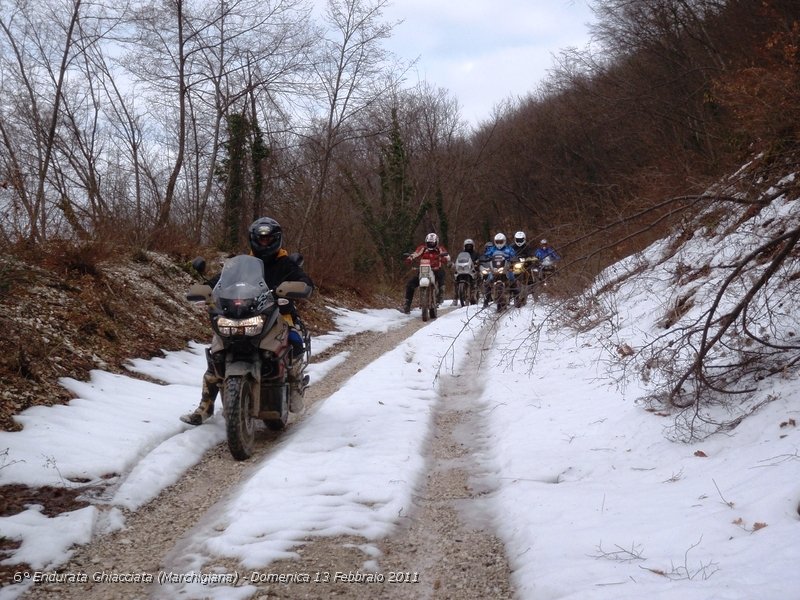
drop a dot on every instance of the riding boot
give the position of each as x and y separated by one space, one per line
297 389
407 306
211 380
297 384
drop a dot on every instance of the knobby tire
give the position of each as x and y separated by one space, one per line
239 425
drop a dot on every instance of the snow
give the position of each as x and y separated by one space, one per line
592 495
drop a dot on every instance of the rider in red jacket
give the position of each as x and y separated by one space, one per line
439 257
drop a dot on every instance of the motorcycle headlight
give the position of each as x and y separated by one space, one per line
245 327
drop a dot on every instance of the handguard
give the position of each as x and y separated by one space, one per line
294 290
199 292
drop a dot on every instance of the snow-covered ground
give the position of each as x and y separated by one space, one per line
591 495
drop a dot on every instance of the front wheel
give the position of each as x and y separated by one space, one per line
240 426
521 297
426 302
462 293
500 298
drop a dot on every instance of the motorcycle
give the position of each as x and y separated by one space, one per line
466 279
495 275
523 269
258 355
547 268
484 269
428 289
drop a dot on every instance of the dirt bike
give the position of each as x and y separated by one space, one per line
428 289
523 277
466 279
495 276
258 355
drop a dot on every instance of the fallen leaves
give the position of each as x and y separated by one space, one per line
756 526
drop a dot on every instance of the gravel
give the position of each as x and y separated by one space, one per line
444 549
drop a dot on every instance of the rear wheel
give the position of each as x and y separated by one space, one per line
274 398
239 425
274 424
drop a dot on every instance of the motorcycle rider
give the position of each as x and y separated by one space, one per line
439 257
266 242
506 250
543 252
469 248
521 246
522 249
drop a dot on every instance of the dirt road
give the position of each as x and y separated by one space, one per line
443 549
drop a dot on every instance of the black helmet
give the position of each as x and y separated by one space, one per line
266 237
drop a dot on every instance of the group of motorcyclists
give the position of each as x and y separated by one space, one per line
439 256
265 237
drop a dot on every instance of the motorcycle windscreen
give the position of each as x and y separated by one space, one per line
241 290
464 263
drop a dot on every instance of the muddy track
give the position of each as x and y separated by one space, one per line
446 552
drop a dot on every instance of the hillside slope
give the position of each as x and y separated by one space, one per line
71 314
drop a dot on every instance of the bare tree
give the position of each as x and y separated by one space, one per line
204 61
37 52
353 71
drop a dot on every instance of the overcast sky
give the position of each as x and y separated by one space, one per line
484 51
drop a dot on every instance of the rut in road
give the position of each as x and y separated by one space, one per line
451 551
444 549
147 542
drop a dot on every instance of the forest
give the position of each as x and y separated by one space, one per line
170 125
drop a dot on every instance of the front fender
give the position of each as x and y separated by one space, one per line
243 368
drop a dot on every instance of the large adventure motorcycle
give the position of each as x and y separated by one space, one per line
495 278
258 354
466 279
524 270
547 268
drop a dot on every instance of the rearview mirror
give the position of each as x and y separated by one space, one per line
199 264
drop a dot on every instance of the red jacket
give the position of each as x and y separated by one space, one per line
438 256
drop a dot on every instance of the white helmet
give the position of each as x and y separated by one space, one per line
431 240
500 240
543 243
519 238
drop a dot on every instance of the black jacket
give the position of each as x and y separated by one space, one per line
525 251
